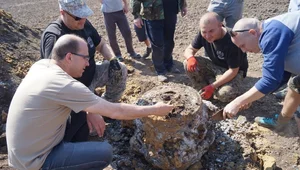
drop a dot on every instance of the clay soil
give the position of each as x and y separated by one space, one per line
244 144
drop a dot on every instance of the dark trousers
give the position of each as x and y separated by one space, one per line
161 35
77 129
118 19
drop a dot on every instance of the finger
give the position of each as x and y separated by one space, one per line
98 130
90 126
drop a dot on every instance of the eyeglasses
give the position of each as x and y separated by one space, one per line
87 57
234 33
74 17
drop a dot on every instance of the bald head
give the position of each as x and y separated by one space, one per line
65 44
210 18
247 23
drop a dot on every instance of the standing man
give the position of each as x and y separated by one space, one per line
114 12
160 18
278 39
226 67
229 10
113 75
42 103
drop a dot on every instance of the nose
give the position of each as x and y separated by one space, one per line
87 63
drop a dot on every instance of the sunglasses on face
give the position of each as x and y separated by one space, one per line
234 33
74 17
87 57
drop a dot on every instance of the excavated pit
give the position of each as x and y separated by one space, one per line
179 139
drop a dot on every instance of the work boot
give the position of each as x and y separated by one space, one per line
135 55
281 94
147 53
277 122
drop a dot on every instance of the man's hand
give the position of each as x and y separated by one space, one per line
207 91
192 64
231 110
114 67
96 122
138 22
163 109
125 9
183 11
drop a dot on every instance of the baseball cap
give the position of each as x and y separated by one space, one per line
77 8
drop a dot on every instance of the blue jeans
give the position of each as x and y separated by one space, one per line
81 155
161 35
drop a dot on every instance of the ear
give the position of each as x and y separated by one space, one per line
68 57
252 31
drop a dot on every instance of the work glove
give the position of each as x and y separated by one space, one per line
207 91
114 70
192 64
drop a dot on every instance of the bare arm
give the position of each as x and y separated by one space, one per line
105 50
250 96
124 111
189 52
226 77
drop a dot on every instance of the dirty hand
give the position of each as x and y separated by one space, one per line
207 91
231 110
96 122
192 64
138 22
163 109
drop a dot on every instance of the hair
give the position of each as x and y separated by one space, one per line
206 18
247 23
68 43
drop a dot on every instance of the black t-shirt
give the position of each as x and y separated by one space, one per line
89 33
223 52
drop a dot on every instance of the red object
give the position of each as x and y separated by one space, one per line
207 91
192 64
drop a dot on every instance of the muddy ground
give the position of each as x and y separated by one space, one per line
240 143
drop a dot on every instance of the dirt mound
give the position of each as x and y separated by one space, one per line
18 50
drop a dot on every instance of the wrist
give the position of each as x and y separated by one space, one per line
190 57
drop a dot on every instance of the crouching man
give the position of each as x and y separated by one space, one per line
42 104
226 66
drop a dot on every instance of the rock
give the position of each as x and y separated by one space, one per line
178 140
269 163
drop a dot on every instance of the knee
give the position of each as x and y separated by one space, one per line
106 151
294 84
226 93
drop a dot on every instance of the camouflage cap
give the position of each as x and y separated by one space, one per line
77 8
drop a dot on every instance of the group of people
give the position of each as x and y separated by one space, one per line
56 102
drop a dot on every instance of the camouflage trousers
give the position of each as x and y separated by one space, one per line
294 83
207 73
114 83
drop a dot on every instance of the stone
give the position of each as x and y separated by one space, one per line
179 139
269 162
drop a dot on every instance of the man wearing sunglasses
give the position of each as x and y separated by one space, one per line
278 39
42 103
110 73
223 72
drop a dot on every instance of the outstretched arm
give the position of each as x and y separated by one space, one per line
124 111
